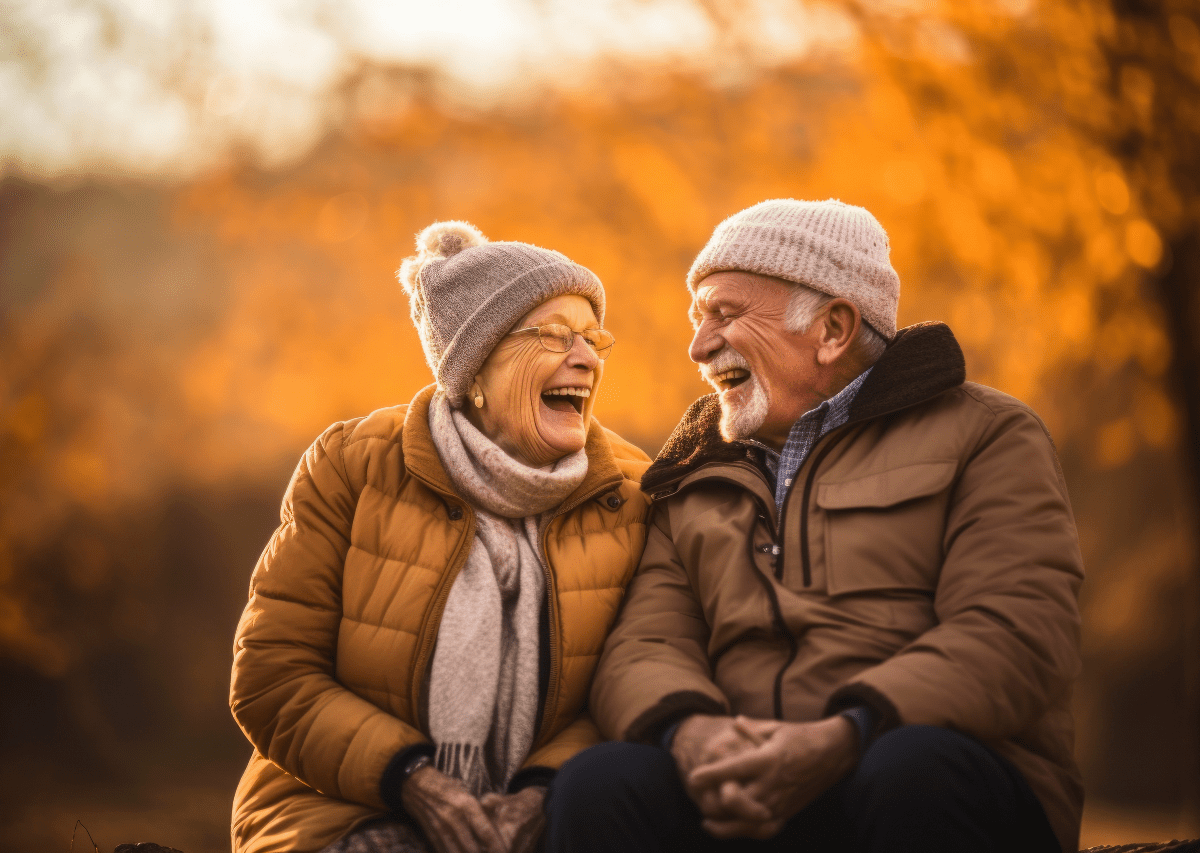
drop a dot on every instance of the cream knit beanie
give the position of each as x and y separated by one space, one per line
836 248
466 293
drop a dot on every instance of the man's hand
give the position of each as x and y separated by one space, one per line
701 740
760 789
519 817
453 820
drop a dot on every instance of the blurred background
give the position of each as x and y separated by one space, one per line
202 203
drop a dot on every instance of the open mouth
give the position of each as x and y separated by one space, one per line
566 399
731 378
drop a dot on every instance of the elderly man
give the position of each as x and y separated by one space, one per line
855 624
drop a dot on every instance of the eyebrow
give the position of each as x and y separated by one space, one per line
715 298
562 320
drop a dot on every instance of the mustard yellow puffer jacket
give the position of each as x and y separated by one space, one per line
333 647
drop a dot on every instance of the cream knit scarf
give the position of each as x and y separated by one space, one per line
483 687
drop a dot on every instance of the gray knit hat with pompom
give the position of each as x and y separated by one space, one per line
467 293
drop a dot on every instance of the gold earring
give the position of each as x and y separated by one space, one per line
479 398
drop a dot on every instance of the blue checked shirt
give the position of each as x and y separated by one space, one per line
804 434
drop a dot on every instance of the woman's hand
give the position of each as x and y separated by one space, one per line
519 818
453 820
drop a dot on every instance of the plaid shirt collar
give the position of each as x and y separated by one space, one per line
813 424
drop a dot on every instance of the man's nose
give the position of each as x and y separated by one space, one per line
705 343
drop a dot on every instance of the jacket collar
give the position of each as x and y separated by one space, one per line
921 362
422 460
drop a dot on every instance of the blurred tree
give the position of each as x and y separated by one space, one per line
1152 50
1154 83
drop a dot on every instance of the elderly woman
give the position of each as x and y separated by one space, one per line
422 628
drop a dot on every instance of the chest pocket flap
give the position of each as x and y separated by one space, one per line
884 531
888 488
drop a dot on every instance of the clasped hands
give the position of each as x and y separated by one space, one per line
455 822
749 777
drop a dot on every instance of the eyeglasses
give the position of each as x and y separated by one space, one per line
556 337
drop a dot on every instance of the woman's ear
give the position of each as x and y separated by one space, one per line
477 393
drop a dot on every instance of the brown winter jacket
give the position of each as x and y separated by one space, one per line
925 563
334 645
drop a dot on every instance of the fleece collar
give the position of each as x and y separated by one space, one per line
921 362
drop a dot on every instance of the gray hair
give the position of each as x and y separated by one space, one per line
803 308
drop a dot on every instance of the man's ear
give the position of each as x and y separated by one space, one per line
839 328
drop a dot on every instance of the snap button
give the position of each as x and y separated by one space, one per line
455 512
613 501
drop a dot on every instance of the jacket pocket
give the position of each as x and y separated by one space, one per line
884 531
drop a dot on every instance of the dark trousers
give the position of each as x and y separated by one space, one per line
917 788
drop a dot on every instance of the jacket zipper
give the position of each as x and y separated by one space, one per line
780 627
780 624
822 449
817 459
552 608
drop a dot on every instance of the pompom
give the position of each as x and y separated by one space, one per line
447 239
439 240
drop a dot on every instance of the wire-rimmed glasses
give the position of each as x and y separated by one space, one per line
556 337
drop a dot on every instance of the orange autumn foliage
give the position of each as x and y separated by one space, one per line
981 134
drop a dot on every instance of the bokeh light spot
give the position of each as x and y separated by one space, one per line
1076 316
1104 255
1143 244
1152 348
1155 417
1112 192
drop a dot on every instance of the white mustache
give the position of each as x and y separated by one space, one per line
726 359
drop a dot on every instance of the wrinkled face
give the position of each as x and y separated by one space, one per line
763 372
537 403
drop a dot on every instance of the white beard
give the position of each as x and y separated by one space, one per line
744 419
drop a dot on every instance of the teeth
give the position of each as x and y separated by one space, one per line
568 392
736 373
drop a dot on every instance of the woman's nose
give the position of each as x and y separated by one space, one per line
582 355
